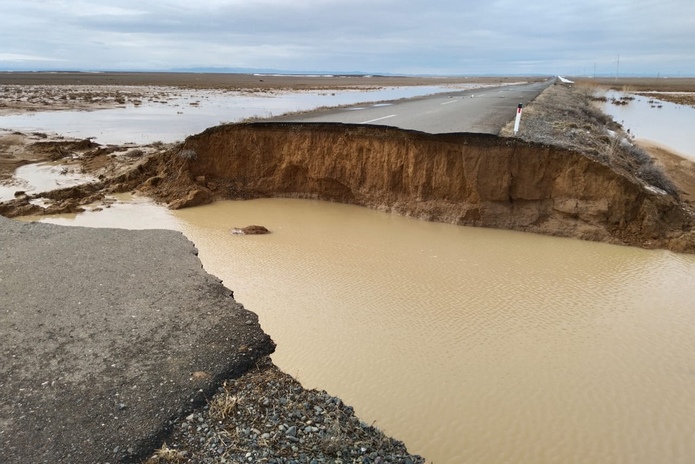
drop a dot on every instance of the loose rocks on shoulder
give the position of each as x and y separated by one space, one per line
267 416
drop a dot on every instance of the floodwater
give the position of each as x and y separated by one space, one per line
670 124
42 177
471 345
190 112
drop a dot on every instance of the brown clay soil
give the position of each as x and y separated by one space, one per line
642 84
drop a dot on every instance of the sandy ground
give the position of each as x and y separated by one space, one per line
680 170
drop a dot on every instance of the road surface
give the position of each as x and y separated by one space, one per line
105 337
482 110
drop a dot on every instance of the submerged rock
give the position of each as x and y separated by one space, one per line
250 230
467 179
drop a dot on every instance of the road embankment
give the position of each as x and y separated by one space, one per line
466 179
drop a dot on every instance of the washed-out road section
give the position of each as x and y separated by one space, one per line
106 336
483 111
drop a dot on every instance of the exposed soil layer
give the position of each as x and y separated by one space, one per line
80 156
266 416
467 179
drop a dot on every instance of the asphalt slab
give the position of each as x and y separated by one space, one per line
106 337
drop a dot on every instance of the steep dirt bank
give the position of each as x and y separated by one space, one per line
467 179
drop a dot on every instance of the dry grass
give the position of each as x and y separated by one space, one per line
334 440
568 117
166 455
677 98
222 406
642 84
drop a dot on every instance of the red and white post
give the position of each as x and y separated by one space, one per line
519 109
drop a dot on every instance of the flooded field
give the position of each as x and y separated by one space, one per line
471 345
666 123
186 112
42 177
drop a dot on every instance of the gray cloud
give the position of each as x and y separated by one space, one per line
408 36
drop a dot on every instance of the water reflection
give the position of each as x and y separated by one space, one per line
666 123
471 345
41 177
119 211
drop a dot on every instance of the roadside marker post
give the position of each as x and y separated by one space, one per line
518 118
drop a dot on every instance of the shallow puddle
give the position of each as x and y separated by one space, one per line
42 177
666 123
471 345
120 211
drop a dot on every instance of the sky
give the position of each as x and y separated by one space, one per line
439 37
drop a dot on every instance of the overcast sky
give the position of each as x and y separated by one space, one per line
458 37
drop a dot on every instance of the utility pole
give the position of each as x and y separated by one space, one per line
594 70
617 68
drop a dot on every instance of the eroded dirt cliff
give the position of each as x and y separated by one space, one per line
467 179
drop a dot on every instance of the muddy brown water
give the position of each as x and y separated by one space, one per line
471 345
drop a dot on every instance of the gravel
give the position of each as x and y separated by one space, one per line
266 416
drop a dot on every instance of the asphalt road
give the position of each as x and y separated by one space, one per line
480 111
105 337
